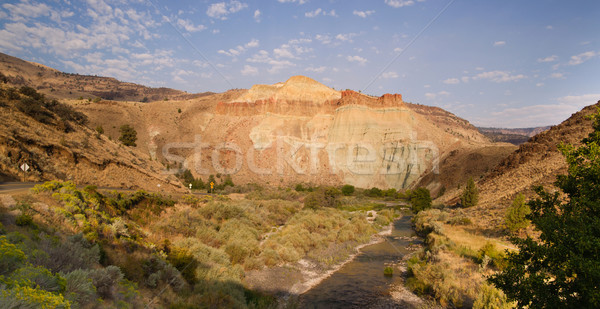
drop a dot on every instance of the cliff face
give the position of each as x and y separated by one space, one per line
307 132
286 133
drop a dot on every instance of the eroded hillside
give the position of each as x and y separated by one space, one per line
55 142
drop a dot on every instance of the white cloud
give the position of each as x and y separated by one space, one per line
346 37
363 14
548 59
358 59
583 57
399 3
390 74
189 26
249 70
257 15
556 75
220 10
499 43
499 76
292 1
238 50
451 81
283 52
323 38
465 79
432 95
24 10
539 84
320 11
549 27
320 69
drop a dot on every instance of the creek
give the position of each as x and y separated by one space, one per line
361 283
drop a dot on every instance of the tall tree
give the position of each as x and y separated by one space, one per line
470 195
561 269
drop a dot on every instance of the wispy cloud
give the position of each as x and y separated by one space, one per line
249 70
220 10
238 50
583 57
358 59
363 14
399 3
499 76
320 12
548 59
189 26
451 81
257 14
390 74
499 43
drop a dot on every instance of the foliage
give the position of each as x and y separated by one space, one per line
374 192
515 218
11 257
388 271
29 297
562 268
347 190
470 194
491 298
128 135
420 199
100 129
185 262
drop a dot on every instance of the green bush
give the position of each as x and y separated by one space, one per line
470 195
24 219
128 135
420 199
106 280
491 298
388 271
79 289
185 262
11 257
347 190
515 218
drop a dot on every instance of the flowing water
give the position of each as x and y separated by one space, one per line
361 283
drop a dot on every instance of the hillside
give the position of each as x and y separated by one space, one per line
514 136
59 85
536 162
297 131
55 142
301 131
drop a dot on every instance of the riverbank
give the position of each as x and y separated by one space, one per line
297 278
313 275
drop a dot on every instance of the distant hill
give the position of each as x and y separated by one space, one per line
513 136
56 84
536 162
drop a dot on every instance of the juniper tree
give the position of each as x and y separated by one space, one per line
561 269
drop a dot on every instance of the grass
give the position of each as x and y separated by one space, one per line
198 249
455 262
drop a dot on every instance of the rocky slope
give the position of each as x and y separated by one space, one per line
297 131
54 141
536 162
56 84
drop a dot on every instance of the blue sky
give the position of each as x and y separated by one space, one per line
494 63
